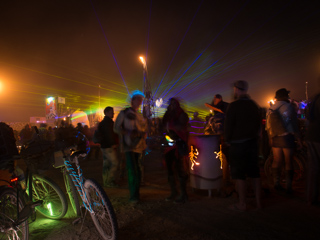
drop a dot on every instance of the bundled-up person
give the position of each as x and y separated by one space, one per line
176 122
313 143
283 130
242 131
132 128
108 145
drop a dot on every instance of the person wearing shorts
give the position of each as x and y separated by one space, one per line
241 133
283 145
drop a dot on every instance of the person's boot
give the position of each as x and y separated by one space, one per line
276 179
173 189
183 194
289 179
142 183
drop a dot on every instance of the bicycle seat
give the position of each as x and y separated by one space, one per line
78 154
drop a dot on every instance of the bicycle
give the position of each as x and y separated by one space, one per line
39 155
298 166
94 198
14 211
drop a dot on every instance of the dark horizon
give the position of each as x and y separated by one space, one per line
194 50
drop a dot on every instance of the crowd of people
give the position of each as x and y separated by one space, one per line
239 125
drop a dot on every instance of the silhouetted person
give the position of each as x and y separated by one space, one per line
176 122
108 144
313 143
242 130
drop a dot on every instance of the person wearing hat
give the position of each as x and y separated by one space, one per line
215 123
283 143
132 130
241 133
218 103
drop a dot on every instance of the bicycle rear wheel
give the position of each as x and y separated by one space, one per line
298 167
54 200
103 215
8 212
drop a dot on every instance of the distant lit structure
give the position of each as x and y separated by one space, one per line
51 108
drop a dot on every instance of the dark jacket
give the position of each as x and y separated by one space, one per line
313 116
109 138
243 120
223 106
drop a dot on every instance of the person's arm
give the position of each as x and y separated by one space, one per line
228 124
118 124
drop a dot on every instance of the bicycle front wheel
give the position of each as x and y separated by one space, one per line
8 214
103 215
54 200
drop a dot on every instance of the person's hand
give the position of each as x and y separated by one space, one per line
135 134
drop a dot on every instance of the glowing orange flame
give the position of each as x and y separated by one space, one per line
193 155
220 156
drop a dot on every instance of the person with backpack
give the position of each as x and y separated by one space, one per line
283 130
108 144
132 129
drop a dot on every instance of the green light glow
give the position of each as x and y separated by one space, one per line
49 206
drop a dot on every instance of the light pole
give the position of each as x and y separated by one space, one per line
146 90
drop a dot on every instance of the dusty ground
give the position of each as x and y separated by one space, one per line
202 217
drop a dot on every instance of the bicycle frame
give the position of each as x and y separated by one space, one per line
77 178
23 214
14 184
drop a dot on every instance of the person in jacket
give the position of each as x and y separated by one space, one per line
313 143
132 129
108 147
241 133
176 122
283 144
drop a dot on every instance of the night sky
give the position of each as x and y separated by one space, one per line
194 49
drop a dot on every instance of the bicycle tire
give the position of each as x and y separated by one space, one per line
8 209
55 203
103 216
268 165
298 166
73 194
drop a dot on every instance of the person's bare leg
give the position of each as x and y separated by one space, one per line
257 188
241 187
288 157
277 157
276 167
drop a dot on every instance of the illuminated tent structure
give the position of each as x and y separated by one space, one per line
79 117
